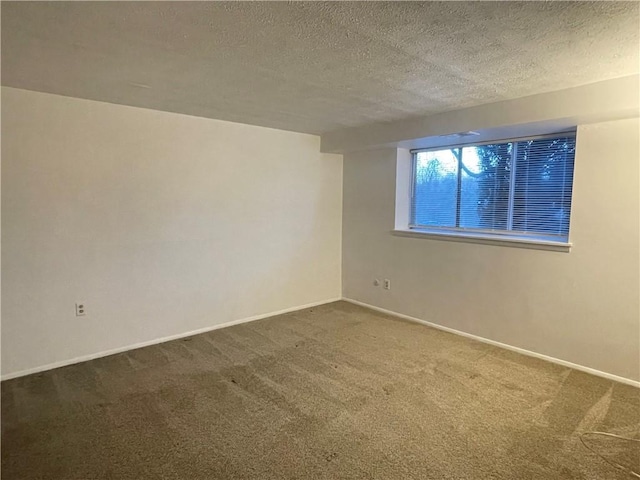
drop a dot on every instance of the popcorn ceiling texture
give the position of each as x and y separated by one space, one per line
314 66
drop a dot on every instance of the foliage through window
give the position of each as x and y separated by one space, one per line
518 188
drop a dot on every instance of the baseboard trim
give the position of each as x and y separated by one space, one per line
529 353
156 341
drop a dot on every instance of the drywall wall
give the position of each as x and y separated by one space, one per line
580 307
160 223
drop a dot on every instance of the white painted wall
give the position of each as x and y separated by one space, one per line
581 307
161 223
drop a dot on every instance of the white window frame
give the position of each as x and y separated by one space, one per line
405 182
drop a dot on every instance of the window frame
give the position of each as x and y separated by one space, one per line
488 236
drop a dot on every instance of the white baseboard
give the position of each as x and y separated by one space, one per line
126 348
529 353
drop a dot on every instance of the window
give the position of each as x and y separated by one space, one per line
514 189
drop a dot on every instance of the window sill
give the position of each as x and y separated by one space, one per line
486 239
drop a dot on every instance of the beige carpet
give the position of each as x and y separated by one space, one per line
333 392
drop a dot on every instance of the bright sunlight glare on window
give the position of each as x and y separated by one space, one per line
516 188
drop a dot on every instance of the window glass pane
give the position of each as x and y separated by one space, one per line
544 177
521 187
435 189
486 175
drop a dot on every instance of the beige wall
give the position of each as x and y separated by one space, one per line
164 224
581 307
160 223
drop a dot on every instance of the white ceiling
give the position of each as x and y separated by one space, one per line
314 66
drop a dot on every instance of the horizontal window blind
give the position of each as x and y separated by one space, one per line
519 187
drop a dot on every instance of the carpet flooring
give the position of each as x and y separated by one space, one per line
332 392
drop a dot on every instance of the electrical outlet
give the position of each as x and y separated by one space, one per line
376 282
387 284
80 310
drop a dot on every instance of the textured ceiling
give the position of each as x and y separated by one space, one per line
314 66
